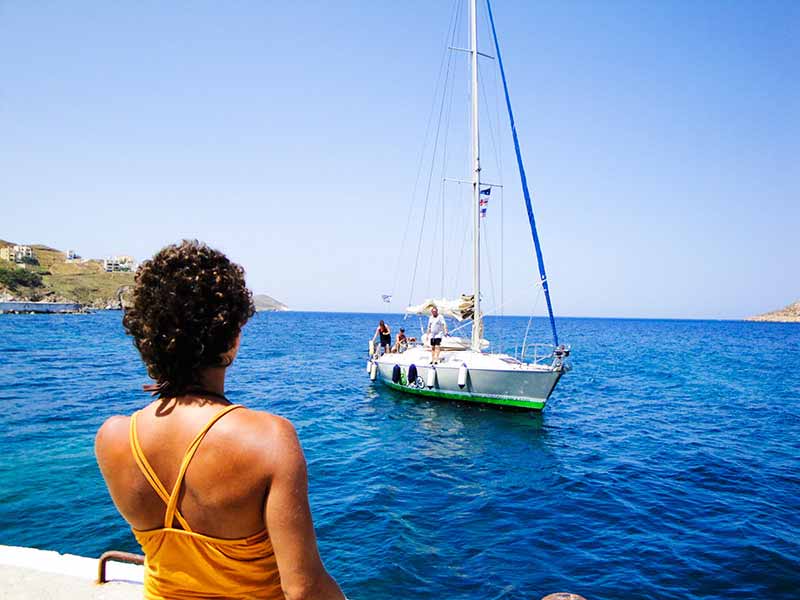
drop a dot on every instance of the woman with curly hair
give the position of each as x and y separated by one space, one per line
216 494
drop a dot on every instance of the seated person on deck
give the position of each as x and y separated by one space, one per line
401 344
216 494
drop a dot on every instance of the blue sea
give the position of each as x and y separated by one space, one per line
666 464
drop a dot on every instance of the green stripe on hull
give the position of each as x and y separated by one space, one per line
527 404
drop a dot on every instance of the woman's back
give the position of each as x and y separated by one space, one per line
225 483
216 494
192 485
180 486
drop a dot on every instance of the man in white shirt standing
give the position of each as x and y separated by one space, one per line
437 327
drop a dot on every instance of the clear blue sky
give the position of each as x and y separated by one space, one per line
661 139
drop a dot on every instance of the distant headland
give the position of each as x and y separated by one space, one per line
268 303
790 314
39 274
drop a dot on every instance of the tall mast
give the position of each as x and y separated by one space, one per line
476 179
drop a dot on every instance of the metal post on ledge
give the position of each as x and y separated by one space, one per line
117 556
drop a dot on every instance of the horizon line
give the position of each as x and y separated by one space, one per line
366 312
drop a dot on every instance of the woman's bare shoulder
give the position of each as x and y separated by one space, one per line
112 442
272 437
261 421
113 430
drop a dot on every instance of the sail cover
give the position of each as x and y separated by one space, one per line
460 309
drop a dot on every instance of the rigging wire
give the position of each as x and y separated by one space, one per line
495 149
487 247
499 163
441 206
494 126
430 172
530 319
497 309
503 330
534 284
523 177
432 253
442 192
495 146
450 33
465 238
448 115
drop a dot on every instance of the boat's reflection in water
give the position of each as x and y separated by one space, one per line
451 428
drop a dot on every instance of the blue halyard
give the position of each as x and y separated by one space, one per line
525 191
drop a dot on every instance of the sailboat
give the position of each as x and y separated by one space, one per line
465 371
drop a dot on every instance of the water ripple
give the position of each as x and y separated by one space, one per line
664 467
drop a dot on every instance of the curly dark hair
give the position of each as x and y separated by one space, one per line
189 304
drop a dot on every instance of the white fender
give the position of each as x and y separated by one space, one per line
373 372
462 375
372 347
369 366
431 379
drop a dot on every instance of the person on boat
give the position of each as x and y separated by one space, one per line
216 494
437 328
385 334
401 345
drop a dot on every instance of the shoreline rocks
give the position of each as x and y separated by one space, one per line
789 314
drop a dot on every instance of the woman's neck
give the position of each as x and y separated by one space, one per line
213 380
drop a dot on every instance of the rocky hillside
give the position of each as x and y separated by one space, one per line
55 280
790 314
268 303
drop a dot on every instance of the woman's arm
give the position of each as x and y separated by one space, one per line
288 519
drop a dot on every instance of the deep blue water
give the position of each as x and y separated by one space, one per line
666 465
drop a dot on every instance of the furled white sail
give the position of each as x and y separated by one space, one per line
460 309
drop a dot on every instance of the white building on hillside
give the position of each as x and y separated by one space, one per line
16 254
114 264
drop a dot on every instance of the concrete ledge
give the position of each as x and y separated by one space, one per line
44 574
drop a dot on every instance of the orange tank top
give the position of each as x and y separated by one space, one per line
181 564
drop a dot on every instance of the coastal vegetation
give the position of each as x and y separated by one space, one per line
13 279
30 260
52 278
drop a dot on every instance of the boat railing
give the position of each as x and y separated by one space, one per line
543 352
537 353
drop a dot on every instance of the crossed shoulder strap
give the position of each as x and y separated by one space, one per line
171 500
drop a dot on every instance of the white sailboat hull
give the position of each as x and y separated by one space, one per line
495 379
464 372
